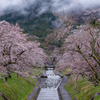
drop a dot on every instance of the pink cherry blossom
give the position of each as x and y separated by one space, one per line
16 52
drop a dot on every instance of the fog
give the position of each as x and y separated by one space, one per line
45 5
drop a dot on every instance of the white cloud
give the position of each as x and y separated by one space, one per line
56 5
14 4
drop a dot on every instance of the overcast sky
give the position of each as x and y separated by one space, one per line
54 5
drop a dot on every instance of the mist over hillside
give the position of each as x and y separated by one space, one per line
36 17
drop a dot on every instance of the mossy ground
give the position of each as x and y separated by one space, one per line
82 89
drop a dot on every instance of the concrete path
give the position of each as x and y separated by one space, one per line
48 94
49 86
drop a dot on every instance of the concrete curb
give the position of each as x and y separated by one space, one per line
62 92
33 95
57 73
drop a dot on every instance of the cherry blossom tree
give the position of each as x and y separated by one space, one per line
16 52
81 49
82 52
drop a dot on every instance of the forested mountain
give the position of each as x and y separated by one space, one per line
31 18
40 24
34 25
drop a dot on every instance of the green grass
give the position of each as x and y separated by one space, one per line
1 98
16 88
82 89
36 71
97 98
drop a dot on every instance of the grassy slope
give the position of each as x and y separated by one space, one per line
17 88
1 98
82 89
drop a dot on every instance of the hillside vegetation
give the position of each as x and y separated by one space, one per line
79 55
16 88
19 61
32 25
81 89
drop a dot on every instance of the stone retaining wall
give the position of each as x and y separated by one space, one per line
63 94
33 95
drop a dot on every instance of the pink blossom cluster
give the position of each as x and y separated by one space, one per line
16 52
81 51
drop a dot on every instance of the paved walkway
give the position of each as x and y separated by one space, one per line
48 94
49 87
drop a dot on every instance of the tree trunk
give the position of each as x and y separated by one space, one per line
18 75
7 76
